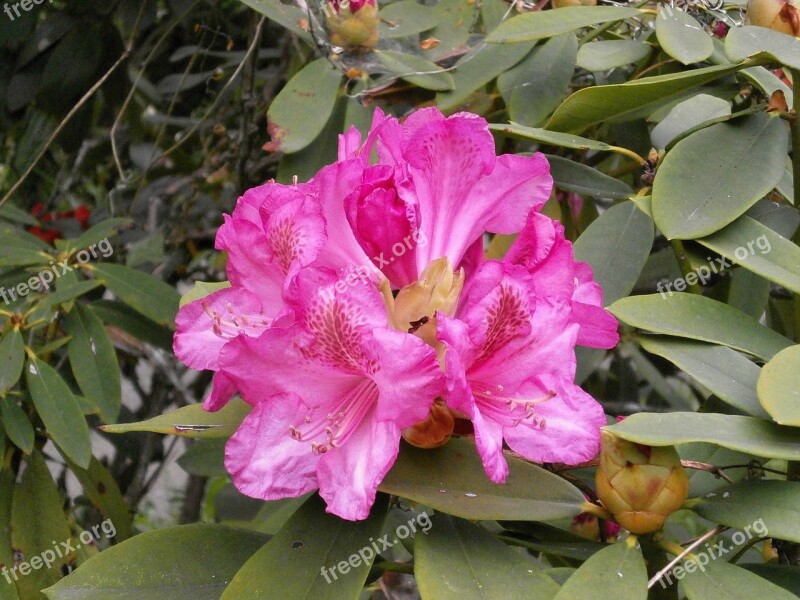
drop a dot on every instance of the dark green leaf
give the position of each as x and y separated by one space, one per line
609 54
12 357
720 579
582 179
147 294
419 71
550 138
618 570
286 15
17 424
548 23
686 115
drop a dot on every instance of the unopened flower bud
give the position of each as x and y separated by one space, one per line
779 15
353 24
640 485
433 432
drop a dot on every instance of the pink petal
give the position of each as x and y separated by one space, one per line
222 390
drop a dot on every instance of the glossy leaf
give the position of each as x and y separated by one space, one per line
582 179
784 576
616 245
713 176
12 357
725 372
451 479
549 23
90 239
189 562
750 435
59 411
16 424
145 293
549 539
618 570
311 557
686 115
720 579
461 561
681 36
779 387
699 318
594 104
751 40
608 54
775 503
94 361
416 70
190 421
316 89
550 138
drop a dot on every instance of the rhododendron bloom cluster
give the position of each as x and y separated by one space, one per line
361 309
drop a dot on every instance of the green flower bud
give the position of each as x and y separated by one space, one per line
353 24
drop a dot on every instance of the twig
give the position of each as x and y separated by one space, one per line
707 536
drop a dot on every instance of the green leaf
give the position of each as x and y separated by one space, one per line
681 36
14 237
190 421
94 361
315 556
8 590
419 71
549 23
189 562
461 561
13 256
725 372
286 15
713 176
454 20
550 138
538 84
68 294
59 411
201 289
582 179
784 576
751 40
477 68
405 18
144 293
315 89
758 249
779 387
103 492
16 424
205 458
686 115
117 315
616 245
100 232
720 579
618 570
776 504
750 435
37 521
540 537
595 104
609 54
10 212
12 357
699 318
451 479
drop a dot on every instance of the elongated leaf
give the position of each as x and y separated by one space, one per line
8 589
750 435
616 246
404 18
94 361
416 70
541 537
582 179
609 54
190 421
454 20
594 104
288 15
190 562
38 520
779 387
699 318
725 372
477 68
551 138
311 557
618 570
776 504
713 176
452 479
59 411
720 579
784 576
146 294
681 36
544 24
12 357
16 424
67 294
12 213
758 249
129 322
750 41
201 289
95 242
315 88
686 115
461 561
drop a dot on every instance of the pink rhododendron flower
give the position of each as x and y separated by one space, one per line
359 298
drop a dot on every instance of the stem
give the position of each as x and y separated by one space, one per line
794 122
656 560
685 265
681 552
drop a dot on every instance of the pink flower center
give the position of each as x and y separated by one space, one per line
229 324
340 422
509 411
